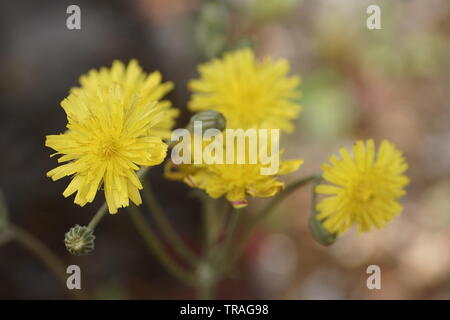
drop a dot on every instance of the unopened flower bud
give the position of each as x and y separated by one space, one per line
323 236
210 120
79 240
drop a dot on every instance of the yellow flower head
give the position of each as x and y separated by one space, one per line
236 181
109 135
249 93
136 85
364 189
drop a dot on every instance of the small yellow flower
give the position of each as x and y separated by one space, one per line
236 181
136 85
109 135
364 189
249 93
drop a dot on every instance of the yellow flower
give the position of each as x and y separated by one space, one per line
364 189
109 135
249 93
135 84
236 181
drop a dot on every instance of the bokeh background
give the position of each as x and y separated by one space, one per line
357 83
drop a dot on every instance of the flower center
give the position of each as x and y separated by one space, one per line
248 107
248 96
364 195
363 191
108 147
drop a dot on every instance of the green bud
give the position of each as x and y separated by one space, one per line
322 235
210 29
79 240
210 120
268 10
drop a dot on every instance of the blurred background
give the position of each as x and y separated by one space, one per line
357 83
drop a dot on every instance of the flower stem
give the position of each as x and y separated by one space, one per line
214 264
207 206
103 209
98 216
281 196
232 227
156 247
165 226
267 211
205 283
206 292
43 253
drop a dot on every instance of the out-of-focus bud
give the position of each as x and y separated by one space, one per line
267 10
3 212
210 29
320 233
210 120
79 240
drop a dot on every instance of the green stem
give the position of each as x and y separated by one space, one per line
104 208
322 235
204 283
206 280
268 210
98 216
209 207
205 292
156 247
214 265
165 226
43 253
232 227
